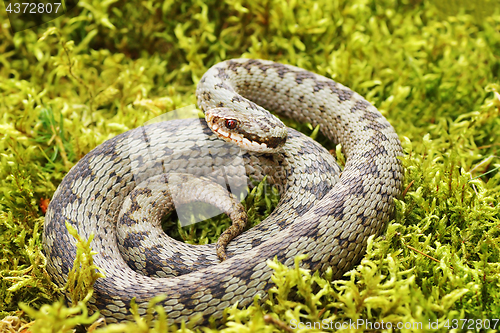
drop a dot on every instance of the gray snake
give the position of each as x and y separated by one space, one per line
323 213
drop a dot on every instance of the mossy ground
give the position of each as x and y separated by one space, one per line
433 71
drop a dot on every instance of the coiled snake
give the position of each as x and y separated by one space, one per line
322 213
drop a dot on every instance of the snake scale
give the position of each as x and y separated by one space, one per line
323 212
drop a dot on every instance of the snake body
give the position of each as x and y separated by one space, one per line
323 213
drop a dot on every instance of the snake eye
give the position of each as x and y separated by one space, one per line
231 124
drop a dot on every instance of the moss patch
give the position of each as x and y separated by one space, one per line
109 66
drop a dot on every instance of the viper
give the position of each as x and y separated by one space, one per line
324 212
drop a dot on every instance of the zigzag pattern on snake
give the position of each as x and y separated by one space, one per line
323 213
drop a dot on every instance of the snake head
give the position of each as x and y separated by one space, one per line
260 133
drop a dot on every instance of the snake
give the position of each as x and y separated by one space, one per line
325 212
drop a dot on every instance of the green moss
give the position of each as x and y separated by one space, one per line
259 203
110 66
